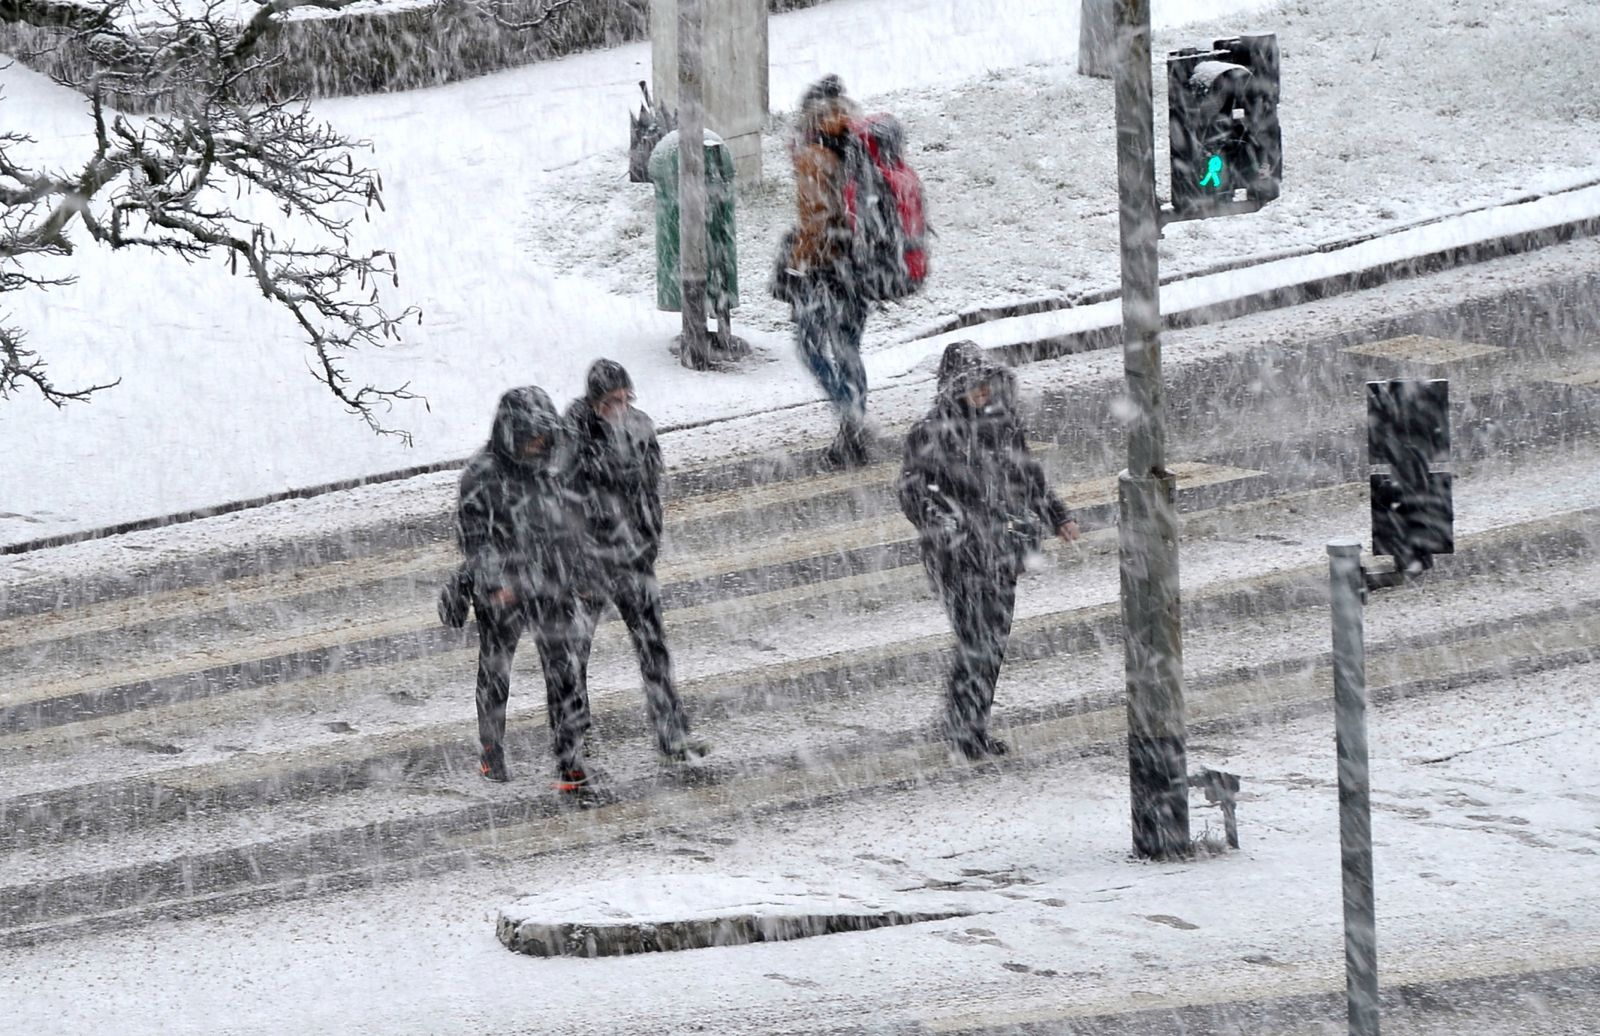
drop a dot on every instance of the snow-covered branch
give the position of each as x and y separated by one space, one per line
265 18
495 11
264 186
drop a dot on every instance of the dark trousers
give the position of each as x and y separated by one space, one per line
980 605
829 321
554 627
637 596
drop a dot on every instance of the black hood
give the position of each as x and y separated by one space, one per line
605 377
1000 379
959 359
525 413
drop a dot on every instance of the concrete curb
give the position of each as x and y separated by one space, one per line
1053 346
1051 304
577 939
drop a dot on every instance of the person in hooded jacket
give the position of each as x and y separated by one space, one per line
618 474
520 525
978 499
829 309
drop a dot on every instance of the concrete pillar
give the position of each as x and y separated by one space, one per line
734 70
1097 38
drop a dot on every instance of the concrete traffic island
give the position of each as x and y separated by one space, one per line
686 912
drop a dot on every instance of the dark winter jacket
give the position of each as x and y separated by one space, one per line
969 484
519 521
618 477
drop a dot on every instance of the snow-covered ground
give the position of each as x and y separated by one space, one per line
529 253
1484 814
1478 872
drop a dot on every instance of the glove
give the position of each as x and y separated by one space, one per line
785 281
454 598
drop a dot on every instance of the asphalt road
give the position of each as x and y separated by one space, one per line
1562 1002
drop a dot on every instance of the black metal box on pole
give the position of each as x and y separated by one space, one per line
1408 434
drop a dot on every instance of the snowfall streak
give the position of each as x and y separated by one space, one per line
174 793
148 839
1536 411
1034 636
354 857
710 493
1524 414
412 630
712 694
430 564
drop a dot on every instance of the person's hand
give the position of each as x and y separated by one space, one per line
1067 530
503 598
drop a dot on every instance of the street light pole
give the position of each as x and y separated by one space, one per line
693 351
1148 528
1345 584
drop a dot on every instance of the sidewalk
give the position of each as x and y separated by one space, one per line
515 229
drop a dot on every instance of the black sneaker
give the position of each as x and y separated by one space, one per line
573 779
685 750
848 450
984 747
492 764
855 444
835 458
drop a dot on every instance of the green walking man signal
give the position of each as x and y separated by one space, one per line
1222 117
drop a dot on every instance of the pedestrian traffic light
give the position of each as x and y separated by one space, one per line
1222 114
1408 430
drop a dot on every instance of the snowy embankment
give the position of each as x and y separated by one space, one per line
530 254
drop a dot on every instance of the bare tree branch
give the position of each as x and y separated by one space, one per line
266 17
19 365
264 186
494 10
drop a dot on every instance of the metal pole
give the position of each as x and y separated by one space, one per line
1148 528
1097 35
1355 806
691 188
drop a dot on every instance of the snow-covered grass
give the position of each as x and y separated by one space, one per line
1382 127
507 198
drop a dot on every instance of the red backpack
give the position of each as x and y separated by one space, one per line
884 201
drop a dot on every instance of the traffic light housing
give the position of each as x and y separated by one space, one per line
1408 430
1222 113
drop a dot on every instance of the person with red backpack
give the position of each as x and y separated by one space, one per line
858 239
817 275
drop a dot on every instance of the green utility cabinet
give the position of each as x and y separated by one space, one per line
722 265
